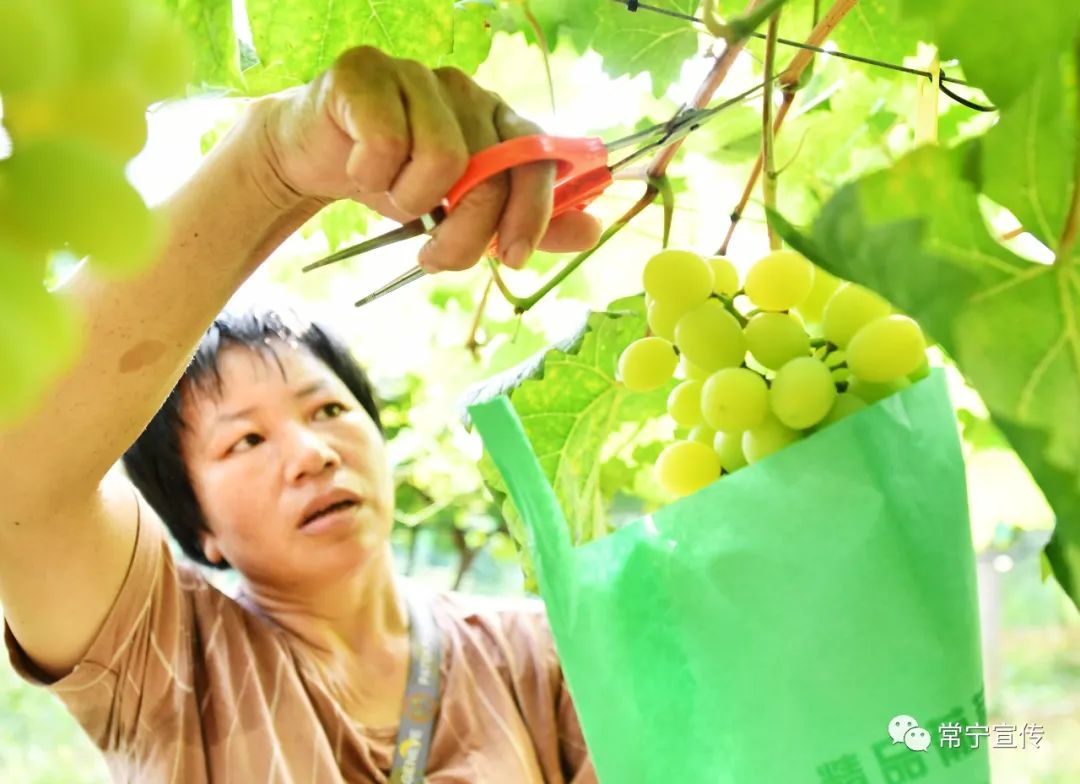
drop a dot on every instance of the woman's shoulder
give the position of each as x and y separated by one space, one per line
505 627
482 608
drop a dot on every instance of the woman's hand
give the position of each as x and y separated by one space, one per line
396 136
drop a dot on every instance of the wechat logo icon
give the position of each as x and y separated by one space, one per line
904 729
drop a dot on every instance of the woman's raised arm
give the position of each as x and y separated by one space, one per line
387 132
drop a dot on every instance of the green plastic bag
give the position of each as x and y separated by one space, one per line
770 627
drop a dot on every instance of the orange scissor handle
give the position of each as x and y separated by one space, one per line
581 175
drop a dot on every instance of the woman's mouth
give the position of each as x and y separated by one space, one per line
329 517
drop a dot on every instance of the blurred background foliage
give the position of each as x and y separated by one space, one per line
598 71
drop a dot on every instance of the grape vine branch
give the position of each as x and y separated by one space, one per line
769 184
789 82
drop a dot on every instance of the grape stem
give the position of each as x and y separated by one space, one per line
653 188
1064 255
789 83
769 181
471 343
729 305
541 42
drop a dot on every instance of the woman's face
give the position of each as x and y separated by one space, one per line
279 445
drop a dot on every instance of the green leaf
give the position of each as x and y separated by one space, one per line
209 27
633 43
472 36
879 29
569 402
1028 158
340 222
915 234
572 20
296 41
1001 44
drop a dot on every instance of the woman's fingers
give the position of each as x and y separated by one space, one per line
407 133
571 231
366 102
439 152
528 208
460 240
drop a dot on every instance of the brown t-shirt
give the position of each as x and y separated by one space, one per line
184 684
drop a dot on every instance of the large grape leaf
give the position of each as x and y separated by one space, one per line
633 43
295 41
1029 155
569 402
210 30
879 29
472 35
572 20
1001 44
915 233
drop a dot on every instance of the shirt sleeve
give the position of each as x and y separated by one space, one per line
137 661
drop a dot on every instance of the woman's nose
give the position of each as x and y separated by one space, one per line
309 453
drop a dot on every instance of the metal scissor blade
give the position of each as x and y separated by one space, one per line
394 285
413 228
405 231
680 126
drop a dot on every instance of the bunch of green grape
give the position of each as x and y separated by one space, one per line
76 78
763 361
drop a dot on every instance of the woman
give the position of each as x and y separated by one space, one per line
267 456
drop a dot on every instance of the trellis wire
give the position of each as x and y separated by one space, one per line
635 5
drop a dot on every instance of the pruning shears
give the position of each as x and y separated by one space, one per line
583 172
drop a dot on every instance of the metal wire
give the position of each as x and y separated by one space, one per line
635 6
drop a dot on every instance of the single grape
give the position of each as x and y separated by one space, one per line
921 372
725 276
775 338
710 337
813 307
33 46
770 436
779 281
845 405
872 392
102 31
728 448
734 399
663 317
678 278
65 190
687 466
849 308
886 348
110 112
802 393
703 434
646 364
684 404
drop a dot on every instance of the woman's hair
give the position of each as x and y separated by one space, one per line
154 462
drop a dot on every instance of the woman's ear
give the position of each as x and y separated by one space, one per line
210 548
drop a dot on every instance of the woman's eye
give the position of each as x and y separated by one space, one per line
249 441
331 410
